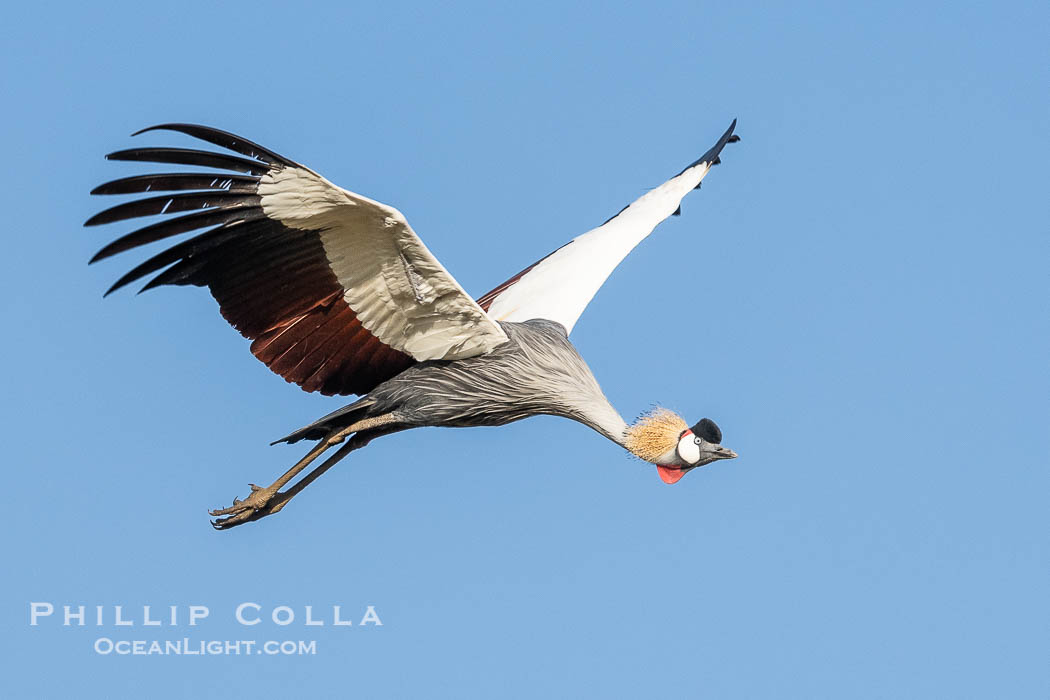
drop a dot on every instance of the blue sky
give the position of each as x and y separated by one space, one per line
858 296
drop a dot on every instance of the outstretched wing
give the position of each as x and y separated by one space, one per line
559 286
336 291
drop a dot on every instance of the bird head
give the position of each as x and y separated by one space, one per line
663 438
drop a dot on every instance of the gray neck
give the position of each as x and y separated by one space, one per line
605 419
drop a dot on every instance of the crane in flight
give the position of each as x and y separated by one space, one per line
338 294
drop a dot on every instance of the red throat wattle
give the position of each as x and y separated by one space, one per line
670 475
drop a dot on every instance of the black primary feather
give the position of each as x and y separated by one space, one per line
190 156
174 227
187 249
168 182
224 139
171 204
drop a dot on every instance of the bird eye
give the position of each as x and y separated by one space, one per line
697 440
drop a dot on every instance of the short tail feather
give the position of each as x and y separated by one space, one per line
322 427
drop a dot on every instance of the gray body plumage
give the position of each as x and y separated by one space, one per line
538 371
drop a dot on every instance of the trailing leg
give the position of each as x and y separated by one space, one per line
267 501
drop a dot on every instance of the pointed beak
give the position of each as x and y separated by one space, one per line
724 453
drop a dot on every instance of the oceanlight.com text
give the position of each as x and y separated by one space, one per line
105 646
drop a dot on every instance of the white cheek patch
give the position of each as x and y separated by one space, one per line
688 450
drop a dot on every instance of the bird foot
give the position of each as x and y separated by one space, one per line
260 503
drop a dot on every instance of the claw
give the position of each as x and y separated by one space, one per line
219 523
248 514
257 500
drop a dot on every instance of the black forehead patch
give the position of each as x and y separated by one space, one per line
707 429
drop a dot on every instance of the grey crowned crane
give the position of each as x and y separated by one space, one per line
338 294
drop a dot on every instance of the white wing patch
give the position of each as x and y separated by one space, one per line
395 285
559 287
